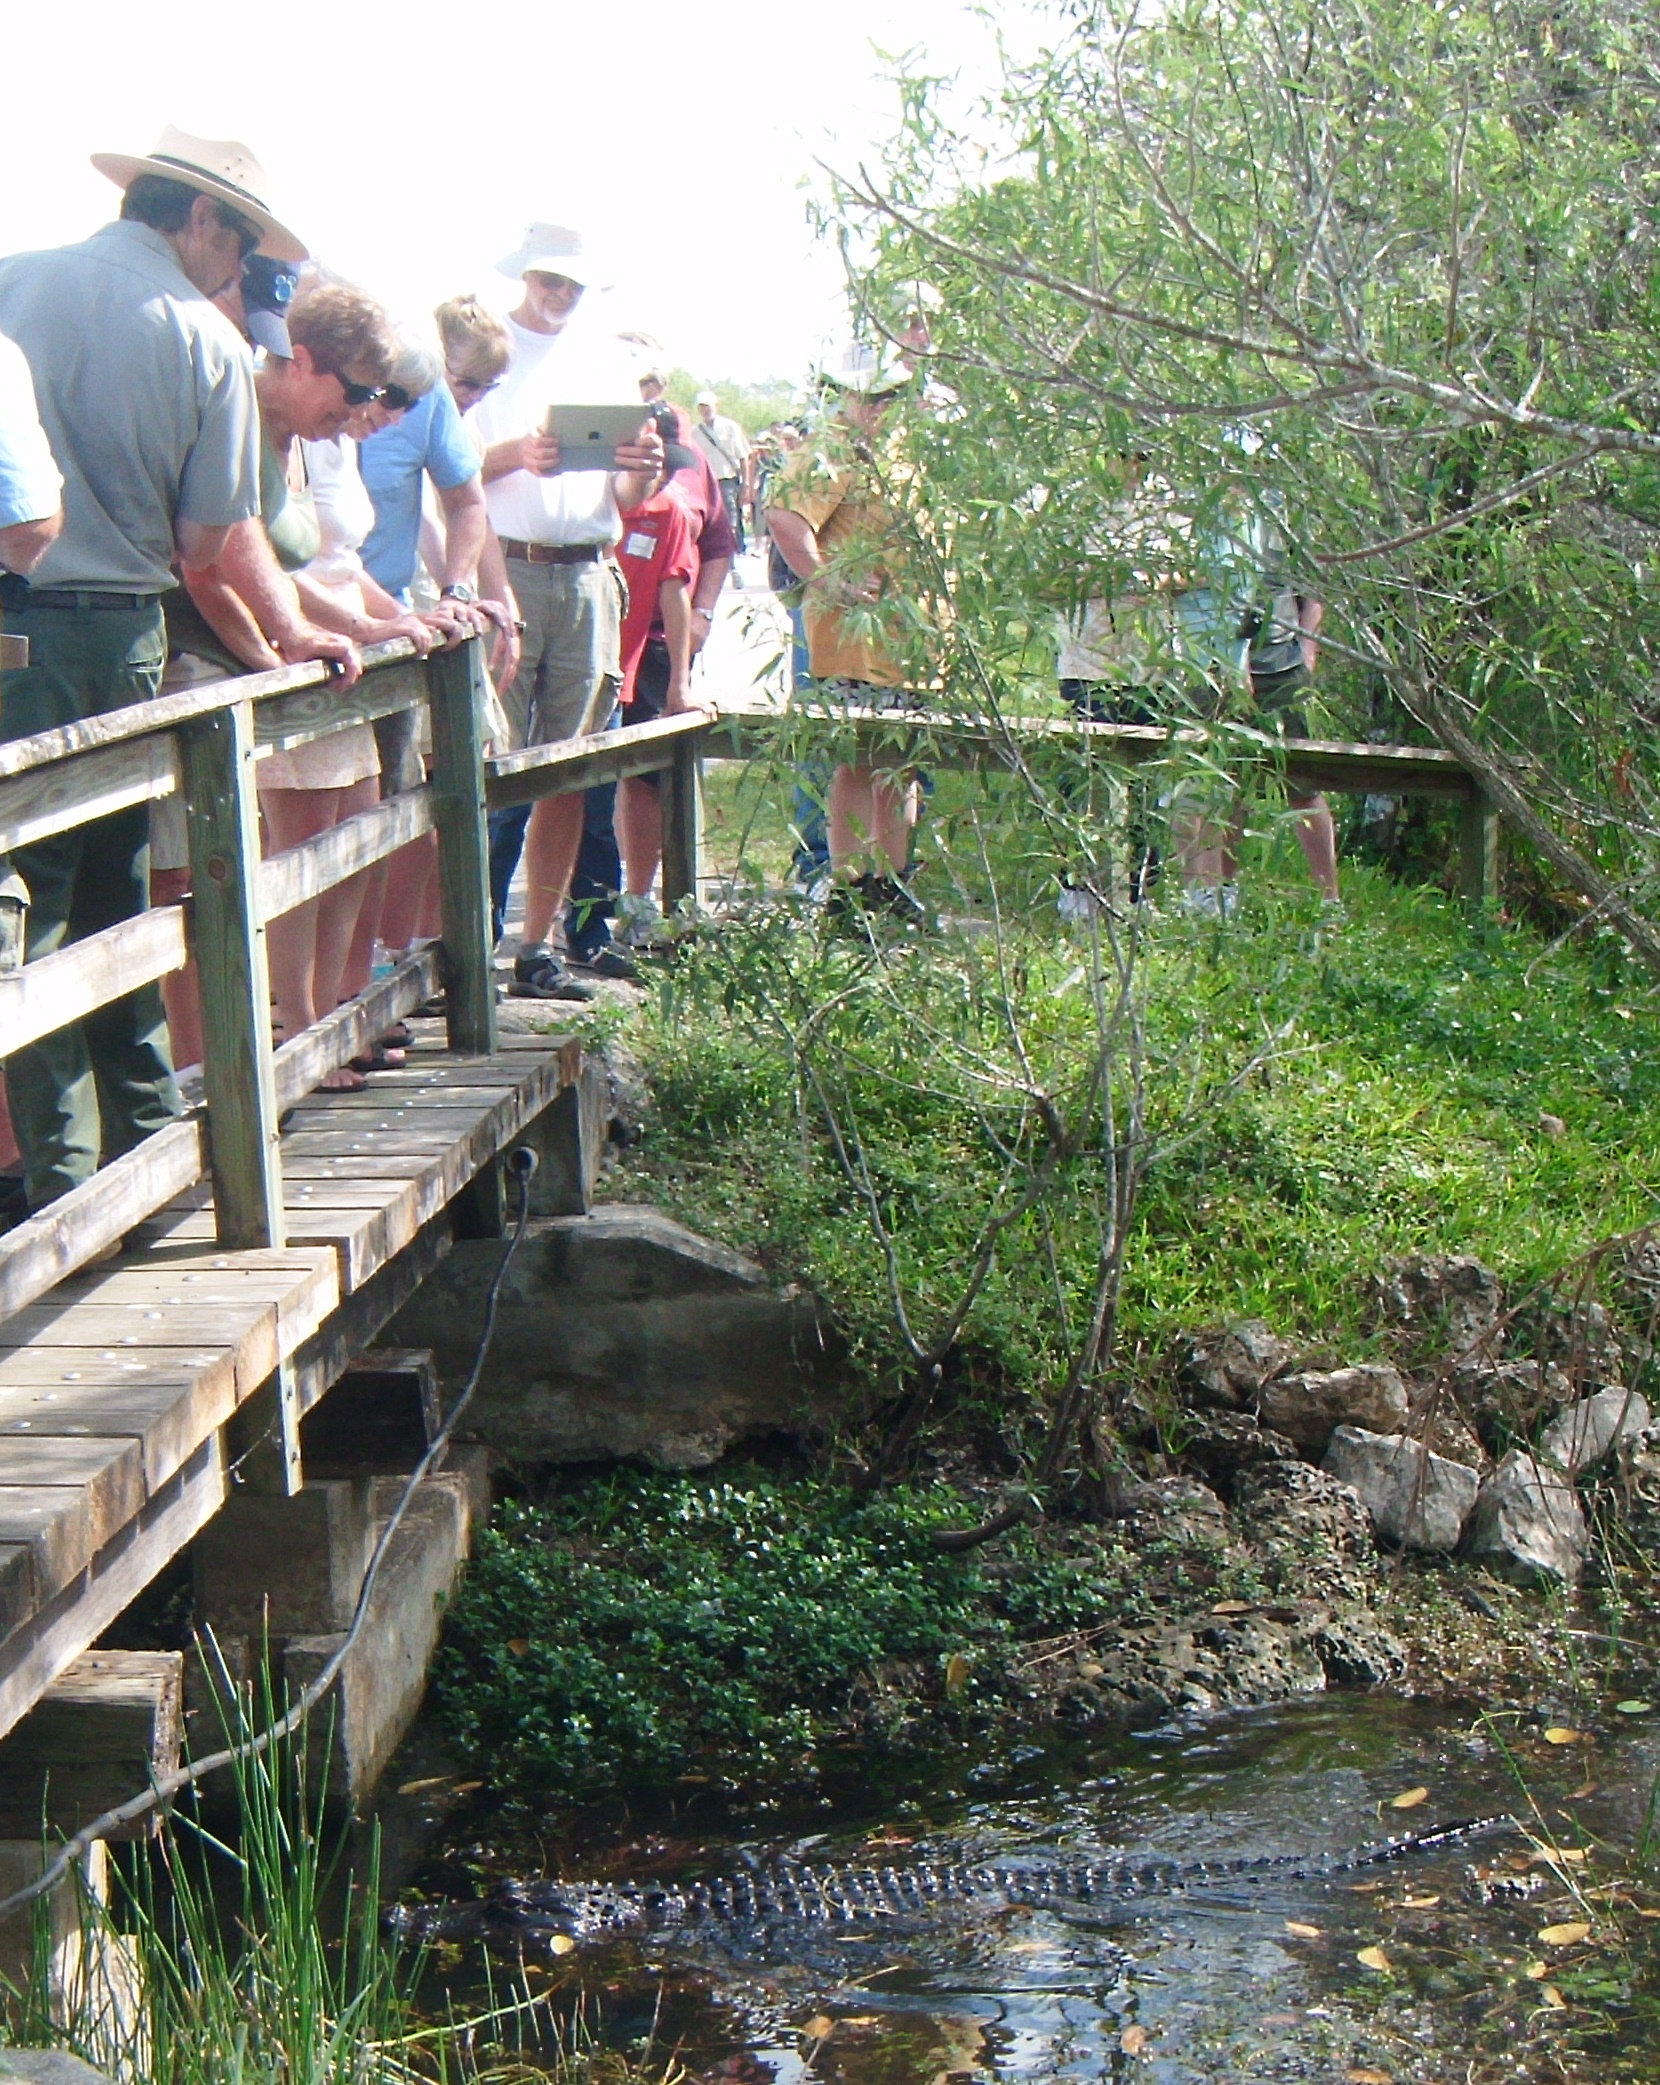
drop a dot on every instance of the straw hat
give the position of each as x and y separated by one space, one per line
555 249
219 167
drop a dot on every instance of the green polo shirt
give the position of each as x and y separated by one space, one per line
146 393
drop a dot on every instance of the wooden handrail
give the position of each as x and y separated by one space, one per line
356 843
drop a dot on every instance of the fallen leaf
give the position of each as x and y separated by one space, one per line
1559 1856
956 1673
1375 1958
1300 1931
1232 1607
467 1787
1634 1708
516 1646
1538 1971
1365 1889
1569 1935
1560 1734
1419 1903
1134 2039
1409 1799
1648 1912
1089 1670
1581 1795
1364 2076
415 1787
561 1944
1553 1998
819 2028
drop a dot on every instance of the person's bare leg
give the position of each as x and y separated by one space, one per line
1201 850
408 889
1317 837
850 816
342 968
181 990
640 834
894 801
290 816
551 843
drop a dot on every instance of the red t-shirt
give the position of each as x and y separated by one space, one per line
698 486
656 545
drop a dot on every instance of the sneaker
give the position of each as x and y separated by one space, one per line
543 976
608 960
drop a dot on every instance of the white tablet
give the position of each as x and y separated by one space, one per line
589 434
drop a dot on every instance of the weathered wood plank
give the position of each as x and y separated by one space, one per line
51 799
66 1500
32 1655
47 995
463 846
583 763
682 807
284 721
352 1028
301 873
169 1413
109 1723
229 937
1478 853
72 1230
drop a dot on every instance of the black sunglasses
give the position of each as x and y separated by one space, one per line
358 394
396 399
248 235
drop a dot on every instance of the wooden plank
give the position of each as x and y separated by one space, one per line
582 763
165 712
52 799
108 1725
1478 853
229 937
65 1499
33 1655
316 711
48 994
17 1585
682 806
352 1028
301 873
323 1358
41 1251
169 1409
463 846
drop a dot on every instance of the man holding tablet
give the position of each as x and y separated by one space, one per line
557 527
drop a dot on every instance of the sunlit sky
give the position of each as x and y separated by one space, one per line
409 145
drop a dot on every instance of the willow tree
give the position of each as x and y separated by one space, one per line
1397 261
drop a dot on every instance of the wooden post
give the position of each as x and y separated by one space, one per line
682 792
229 938
463 847
1478 850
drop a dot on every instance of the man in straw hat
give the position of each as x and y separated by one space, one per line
147 397
556 529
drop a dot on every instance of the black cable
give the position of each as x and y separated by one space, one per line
521 1163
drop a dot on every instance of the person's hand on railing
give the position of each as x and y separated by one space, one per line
305 642
683 703
504 653
382 630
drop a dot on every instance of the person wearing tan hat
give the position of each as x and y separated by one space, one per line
147 397
556 528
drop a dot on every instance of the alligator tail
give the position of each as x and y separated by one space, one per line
1383 1851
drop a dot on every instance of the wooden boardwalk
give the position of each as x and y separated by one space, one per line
120 1392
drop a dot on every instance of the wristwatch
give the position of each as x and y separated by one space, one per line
460 592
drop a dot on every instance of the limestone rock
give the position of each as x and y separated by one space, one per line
1355 1649
1227 1447
1527 1522
1224 1369
1505 1400
1445 1302
623 1334
1178 1509
1581 1436
1291 1507
1307 1406
1416 1499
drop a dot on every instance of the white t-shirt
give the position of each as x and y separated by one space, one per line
723 442
30 483
345 514
576 366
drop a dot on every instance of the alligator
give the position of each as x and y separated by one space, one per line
563 1915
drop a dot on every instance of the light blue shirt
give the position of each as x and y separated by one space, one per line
429 441
30 482
146 393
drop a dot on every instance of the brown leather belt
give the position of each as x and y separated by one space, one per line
554 553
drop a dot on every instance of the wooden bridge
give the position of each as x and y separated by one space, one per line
268 1235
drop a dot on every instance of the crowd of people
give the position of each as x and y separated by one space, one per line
217 458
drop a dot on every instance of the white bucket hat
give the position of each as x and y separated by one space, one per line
555 249
220 168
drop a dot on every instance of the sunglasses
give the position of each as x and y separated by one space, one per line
396 399
358 394
248 235
477 387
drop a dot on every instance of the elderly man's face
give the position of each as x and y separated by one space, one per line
551 299
705 412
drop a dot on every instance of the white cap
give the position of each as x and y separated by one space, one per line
706 398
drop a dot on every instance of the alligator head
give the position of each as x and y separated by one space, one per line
585 1914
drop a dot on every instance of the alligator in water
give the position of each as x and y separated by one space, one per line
562 1915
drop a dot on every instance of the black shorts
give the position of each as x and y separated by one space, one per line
1112 702
651 691
1274 706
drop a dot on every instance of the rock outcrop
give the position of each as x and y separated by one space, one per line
1307 1407
1528 1524
1415 1498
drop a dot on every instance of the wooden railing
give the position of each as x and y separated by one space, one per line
204 743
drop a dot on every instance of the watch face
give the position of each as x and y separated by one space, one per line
463 594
